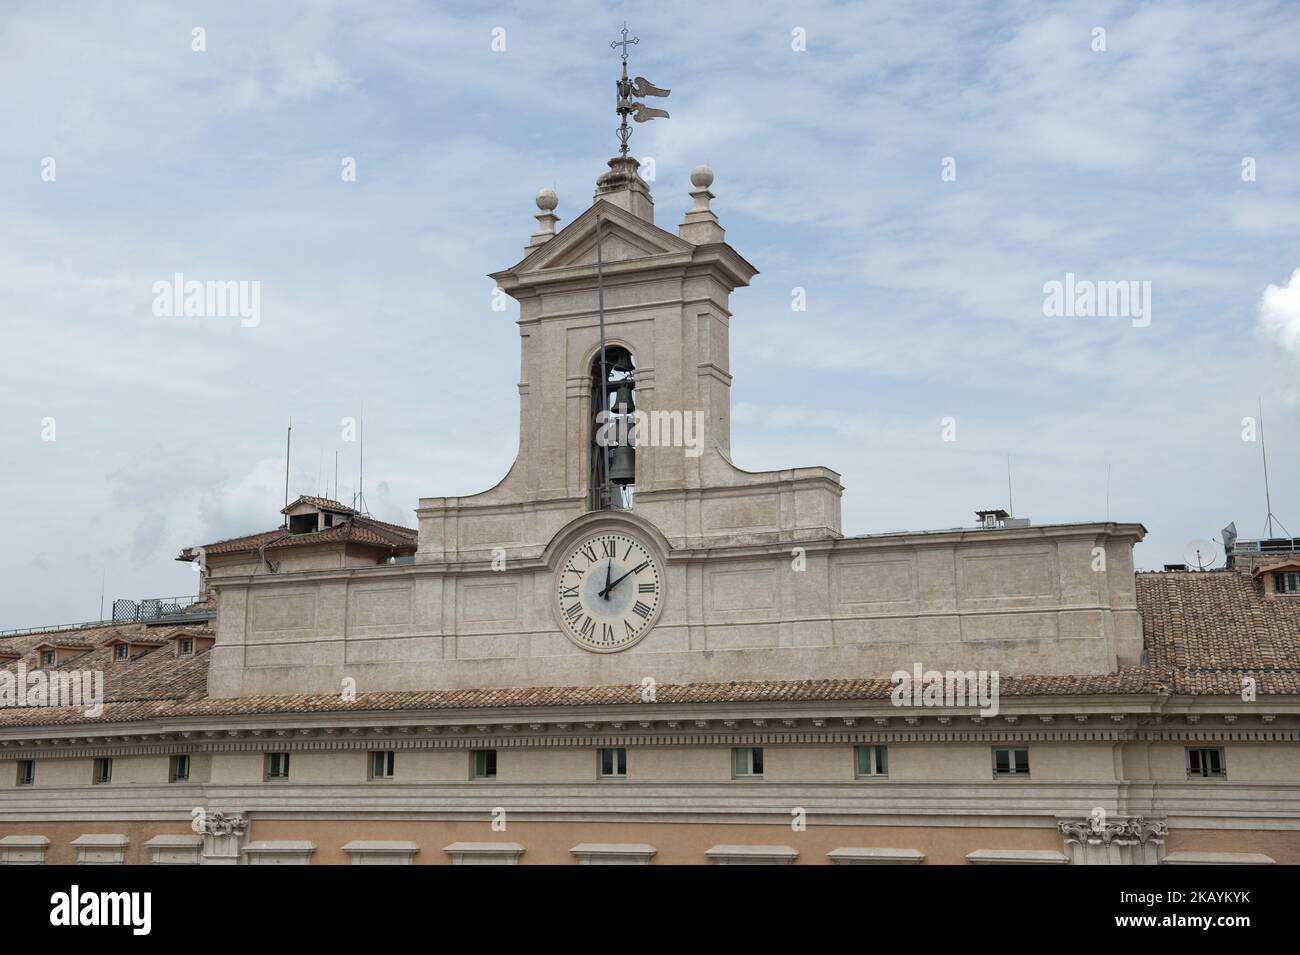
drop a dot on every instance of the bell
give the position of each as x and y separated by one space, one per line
623 402
622 363
622 465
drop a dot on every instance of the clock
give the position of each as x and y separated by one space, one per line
608 592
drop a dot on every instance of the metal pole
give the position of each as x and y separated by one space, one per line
605 494
288 443
1263 450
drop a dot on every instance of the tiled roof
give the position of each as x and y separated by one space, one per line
357 530
324 503
152 640
154 674
1203 631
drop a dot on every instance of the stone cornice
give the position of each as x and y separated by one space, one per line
296 732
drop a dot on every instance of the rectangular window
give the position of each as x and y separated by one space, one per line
103 771
277 765
872 760
613 762
121 651
47 658
26 772
483 764
747 761
1286 582
180 769
187 646
382 763
1205 762
1011 762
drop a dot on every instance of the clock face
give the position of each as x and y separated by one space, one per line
608 592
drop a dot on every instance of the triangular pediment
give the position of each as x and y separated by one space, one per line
623 237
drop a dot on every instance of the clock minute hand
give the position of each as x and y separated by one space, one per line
634 570
609 568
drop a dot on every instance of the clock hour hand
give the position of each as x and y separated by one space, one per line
609 568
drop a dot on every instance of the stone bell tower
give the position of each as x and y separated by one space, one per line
664 299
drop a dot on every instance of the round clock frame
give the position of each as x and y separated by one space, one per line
609 589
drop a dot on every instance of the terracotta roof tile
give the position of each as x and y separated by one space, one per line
357 530
324 503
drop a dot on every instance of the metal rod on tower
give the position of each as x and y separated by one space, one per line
288 444
1263 450
359 503
606 492
1010 507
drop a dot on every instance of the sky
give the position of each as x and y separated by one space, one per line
922 172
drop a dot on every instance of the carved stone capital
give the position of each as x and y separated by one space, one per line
1122 832
217 822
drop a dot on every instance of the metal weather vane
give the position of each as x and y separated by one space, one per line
638 87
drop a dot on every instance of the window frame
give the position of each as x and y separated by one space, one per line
618 762
173 774
879 761
26 772
49 658
489 756
754 763
121 651
102 772
185 646
1220 756
390 758
283 757
1012 762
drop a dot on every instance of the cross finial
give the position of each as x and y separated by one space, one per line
625 42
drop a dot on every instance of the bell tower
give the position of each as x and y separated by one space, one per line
625 382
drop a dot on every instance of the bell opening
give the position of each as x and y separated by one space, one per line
613 455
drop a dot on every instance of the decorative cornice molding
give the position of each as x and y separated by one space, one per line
486 736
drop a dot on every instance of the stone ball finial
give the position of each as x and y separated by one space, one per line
701 177
547 200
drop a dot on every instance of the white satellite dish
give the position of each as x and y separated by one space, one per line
1200 554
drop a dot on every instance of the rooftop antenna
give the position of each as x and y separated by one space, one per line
288 444
103 576
336 475
1107 493
1010 508
1263 451
359 503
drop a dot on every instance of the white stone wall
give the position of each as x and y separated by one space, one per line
1016 601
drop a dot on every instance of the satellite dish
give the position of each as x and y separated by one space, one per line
1200 554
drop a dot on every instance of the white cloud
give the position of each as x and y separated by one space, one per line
1279 314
